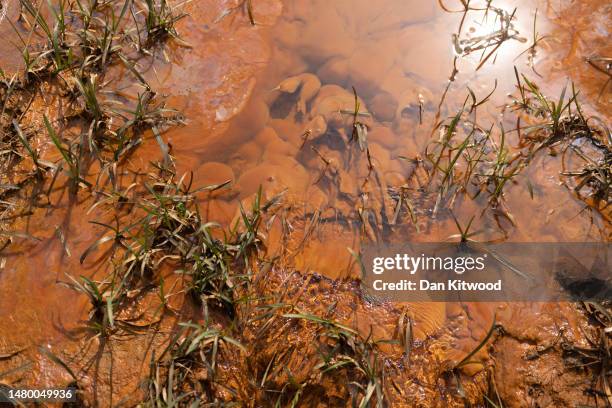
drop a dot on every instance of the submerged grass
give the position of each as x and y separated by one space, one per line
191 366
469 159
160 21
564 126
351 362
76 43
68 48
167 231
595 357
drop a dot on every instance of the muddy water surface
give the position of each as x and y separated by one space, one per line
292 138
271 106
399 57
38 309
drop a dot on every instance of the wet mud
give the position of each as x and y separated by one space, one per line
273 106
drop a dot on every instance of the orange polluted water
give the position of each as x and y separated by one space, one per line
270 106
294 132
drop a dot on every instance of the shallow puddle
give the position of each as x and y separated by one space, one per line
274 106
398 56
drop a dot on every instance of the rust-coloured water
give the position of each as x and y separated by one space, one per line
393 54
239 127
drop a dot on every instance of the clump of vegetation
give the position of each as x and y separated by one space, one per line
170 230
479 161
594 359
160 21
342 349
585 143
154 224
68 48
79 41
187 371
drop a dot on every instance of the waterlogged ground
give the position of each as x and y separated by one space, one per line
270 106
